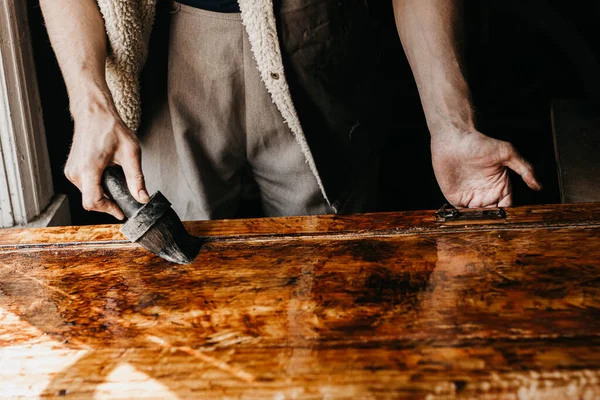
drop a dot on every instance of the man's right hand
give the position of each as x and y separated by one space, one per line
102 139
77 33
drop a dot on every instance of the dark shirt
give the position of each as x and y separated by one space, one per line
224 6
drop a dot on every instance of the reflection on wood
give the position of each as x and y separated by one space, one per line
500 311
398 222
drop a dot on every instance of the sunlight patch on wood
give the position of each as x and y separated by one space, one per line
127 382
30 364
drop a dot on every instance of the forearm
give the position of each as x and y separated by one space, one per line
77 35
431 34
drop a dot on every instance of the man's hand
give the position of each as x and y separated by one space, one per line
102 139
76 31
472 169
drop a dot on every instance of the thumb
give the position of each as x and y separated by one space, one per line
132 168
518 164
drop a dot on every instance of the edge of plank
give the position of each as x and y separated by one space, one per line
584 214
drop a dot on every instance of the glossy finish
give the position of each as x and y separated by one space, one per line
373 306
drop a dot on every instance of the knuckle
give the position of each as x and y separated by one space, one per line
137 181
87 206
90 204
69 174
70 171
139 178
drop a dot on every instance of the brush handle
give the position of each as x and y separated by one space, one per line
115 186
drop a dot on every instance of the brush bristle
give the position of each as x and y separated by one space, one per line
169 239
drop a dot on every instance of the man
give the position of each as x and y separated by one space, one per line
279 88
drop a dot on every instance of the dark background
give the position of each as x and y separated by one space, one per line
520 54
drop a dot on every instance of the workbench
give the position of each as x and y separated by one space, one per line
392 305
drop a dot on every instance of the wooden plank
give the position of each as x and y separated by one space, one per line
489 313
576 130
399 222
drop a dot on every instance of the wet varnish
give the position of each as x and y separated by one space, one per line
372 306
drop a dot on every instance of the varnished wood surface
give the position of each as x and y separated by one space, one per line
395 222
325 309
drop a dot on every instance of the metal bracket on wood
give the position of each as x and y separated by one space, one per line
449 213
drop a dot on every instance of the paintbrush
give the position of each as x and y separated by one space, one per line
155 226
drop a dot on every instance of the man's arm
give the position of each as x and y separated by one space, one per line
76 31
471 168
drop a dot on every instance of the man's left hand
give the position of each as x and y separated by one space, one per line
472 169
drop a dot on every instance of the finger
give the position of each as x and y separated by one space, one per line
506 201
523 168
93 198
131 161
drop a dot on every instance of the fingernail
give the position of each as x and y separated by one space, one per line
143 195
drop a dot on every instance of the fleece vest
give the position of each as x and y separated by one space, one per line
315 58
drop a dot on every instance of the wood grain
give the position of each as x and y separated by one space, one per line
507 312
394 222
